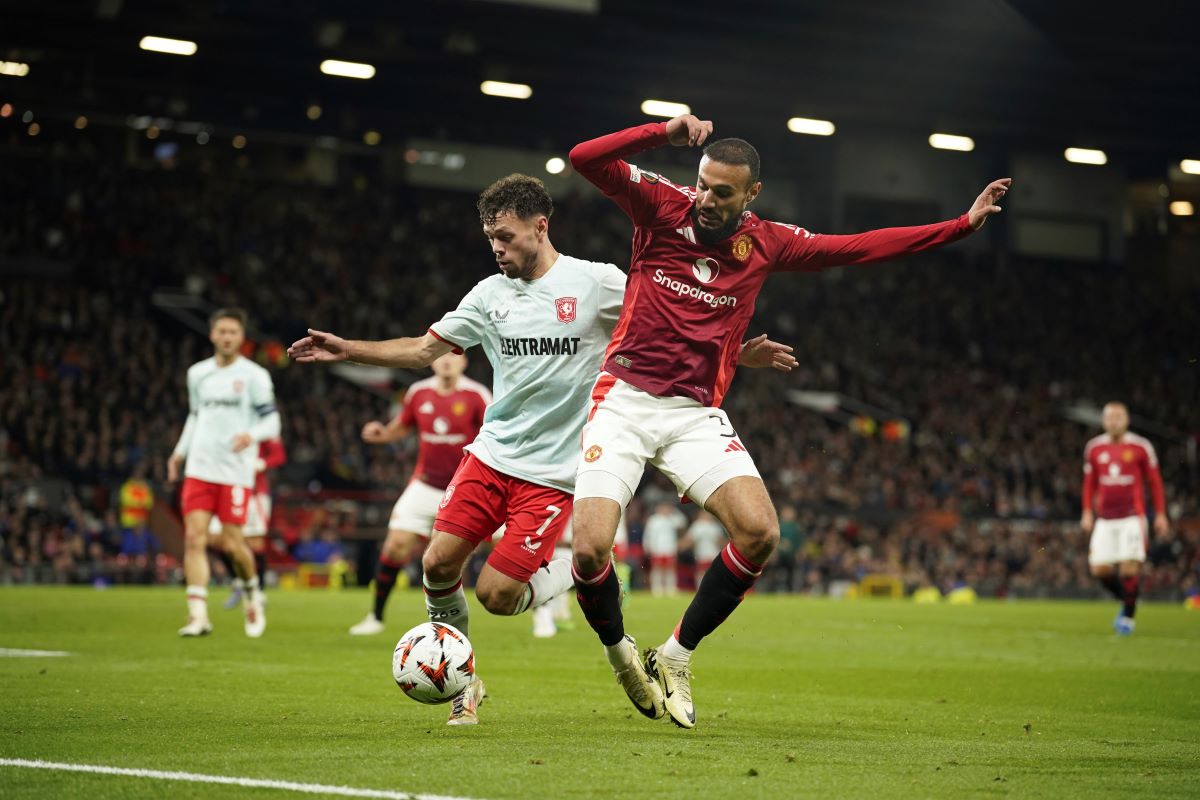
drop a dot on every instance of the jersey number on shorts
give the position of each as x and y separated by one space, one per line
724 425
554 512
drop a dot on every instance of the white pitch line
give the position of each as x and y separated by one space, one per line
13 652
256 783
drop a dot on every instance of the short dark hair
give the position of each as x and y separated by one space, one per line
735 152
238 314
521 195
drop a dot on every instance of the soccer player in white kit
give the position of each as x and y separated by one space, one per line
1114 509
543 323
660 540
231 408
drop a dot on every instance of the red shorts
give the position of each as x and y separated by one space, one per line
480 499
662 562
227 503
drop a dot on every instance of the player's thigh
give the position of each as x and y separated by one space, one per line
702 452
403 545
498 592
744 508
195 528
536 519
233 539
617 441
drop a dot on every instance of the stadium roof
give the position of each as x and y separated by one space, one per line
1033 72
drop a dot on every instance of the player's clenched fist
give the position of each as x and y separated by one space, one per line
318 346
687 130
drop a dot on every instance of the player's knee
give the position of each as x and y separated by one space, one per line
497 600
757 536
438 569
589 558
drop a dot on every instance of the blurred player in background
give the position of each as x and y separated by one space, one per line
700 258
231 408
660 540
271 454
447 412
1115 464
543 322
705 537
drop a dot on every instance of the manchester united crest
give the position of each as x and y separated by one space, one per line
238 385
459 408
592 453
742 246
565 306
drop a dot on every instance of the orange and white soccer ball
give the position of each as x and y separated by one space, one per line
433 662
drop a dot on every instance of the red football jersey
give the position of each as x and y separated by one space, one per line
1113 471
446 423
688 304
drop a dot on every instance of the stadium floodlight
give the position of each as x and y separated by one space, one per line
514 91
1082 155
161 44
347 69
1182 208
949 141
17 69
664 108
555 166
811 127
1190 165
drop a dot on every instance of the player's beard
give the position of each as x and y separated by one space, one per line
712 236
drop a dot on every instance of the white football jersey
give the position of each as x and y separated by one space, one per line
223 402
545 340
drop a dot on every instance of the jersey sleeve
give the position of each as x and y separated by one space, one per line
1154 477
189 427
601 162
612 296
803 250
266 423
464 327
408 413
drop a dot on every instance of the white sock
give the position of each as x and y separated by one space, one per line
546 584
197 602
674 651
447 602
253 590
238 584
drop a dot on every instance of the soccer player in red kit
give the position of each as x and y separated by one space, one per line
699 260
1114 509
446 411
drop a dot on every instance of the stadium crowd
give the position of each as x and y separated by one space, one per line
963 364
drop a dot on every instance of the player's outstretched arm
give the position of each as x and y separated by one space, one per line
413 352
761 352
375 432
985 205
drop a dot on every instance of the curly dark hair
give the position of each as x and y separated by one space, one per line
521 195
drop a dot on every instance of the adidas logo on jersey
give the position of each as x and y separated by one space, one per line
687 233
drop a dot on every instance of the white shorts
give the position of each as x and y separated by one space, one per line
1117 540
693 445
258 517
416 509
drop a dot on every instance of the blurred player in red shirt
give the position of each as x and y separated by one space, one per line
1115 464
699 260
446 411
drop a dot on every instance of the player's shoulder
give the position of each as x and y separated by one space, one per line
1139 441
651 180
202 367
596 270
423 385
466 384
1096 441
775 229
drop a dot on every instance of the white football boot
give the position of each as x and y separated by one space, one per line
370 626
196 627
642 688
464 708
675 680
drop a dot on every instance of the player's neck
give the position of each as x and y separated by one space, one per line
447 385
546 259
223 360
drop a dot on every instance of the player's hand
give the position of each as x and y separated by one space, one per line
174 465
1087 521
373 432
1160 525
688 131
985 204
318 346
761 352
242 441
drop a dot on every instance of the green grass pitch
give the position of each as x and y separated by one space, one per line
795 698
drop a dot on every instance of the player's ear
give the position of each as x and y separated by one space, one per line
753 193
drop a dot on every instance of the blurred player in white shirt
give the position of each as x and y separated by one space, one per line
660 540
231 408
706 538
